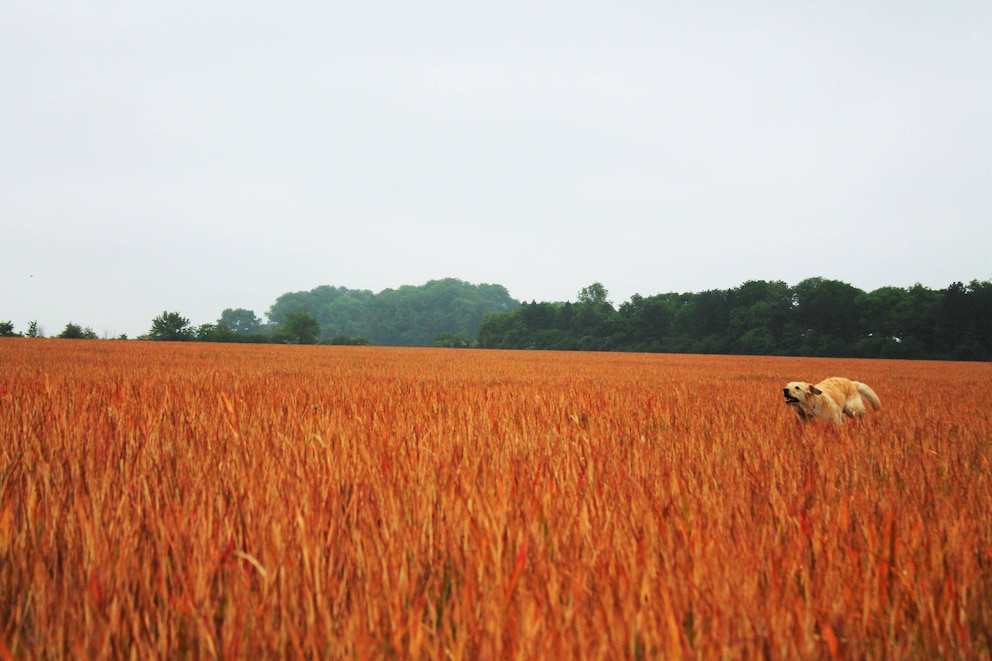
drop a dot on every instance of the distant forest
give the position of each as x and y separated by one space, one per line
407 316
817 317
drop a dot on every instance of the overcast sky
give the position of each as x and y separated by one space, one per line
195 156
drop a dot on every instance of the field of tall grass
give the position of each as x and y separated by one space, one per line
164 500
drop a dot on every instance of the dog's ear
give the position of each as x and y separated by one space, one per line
814 390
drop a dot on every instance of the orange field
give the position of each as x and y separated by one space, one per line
166 500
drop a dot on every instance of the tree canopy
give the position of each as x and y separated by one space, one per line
76 332
816 317
299 327
171 327
241 321
407 316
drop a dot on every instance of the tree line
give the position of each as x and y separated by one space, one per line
445 312
407 316
817 317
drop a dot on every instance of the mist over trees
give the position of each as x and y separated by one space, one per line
241 321
817 317
407 316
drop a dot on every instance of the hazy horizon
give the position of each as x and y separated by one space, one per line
263 313
194 157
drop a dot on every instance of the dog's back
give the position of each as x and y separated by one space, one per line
830 399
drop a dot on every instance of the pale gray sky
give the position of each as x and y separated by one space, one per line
194 156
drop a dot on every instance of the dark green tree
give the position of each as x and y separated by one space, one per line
701 322
592 313
882 328
7 329
218 332
878 311
648 321
827 314
171 327
595 294
300 327
916 317
76 332
538 316
980 316
502 330
963 325
759 312
240 321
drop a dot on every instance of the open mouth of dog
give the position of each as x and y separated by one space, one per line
789 399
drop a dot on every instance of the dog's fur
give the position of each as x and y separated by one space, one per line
830 399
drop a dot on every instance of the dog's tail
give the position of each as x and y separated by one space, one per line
869 394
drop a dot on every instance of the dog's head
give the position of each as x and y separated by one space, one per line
800 394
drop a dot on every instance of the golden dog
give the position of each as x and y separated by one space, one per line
830 399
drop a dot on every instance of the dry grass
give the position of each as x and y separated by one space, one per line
161 500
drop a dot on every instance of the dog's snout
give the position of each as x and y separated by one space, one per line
790 397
